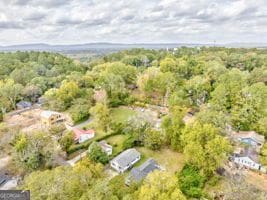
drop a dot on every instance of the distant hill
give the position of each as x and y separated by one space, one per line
91 46
115 46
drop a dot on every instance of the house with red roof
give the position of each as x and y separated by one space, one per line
81 135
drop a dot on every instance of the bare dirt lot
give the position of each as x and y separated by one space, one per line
28 120
257 179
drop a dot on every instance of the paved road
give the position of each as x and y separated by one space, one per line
81 125
10 184
83 154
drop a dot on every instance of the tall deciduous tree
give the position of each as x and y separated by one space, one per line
96 154
67 92
168 64
209 115
160 186
63 183
250 107
34 151
10 92
228 89
101 116
198 89
154 83
153 139
172 125
204 147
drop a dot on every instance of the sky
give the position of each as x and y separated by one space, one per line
132 21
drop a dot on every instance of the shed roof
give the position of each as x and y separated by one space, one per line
104 144
126 157
24 104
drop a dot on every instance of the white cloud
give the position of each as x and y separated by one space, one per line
82 21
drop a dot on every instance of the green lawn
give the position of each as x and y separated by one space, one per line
116 142
122 114
170 160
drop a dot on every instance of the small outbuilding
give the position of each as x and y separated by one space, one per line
105 147
23 105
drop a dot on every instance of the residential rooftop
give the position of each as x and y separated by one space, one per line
138 173
249 152
126 157
78 132
250 134
24 104
104 144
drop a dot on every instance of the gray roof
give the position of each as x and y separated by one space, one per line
138 173
3 179
126 157
250 134
24 104
251 153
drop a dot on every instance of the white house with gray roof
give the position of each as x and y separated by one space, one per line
125 160
247 157
139 173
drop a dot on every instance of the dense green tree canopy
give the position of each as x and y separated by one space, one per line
204 147
217 87
35 151
96 154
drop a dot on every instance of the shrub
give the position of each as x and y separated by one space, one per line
66 141
1 116
79 112
96 154
128 143
153 139
191 181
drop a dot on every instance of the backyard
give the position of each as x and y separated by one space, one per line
117 143
122 114
169 160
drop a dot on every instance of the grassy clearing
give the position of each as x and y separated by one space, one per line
170 160
116 142
122 114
